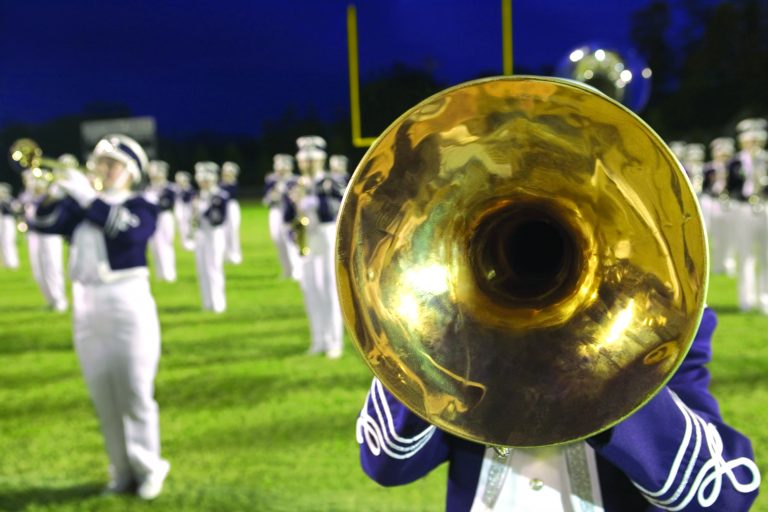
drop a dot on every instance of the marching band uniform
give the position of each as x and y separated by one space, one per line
717 208
27 201
675 453
210 213
747 175
229 174
9 253
693 163
338 166
46 250
320 203
116 329
161 244
182 208
275 197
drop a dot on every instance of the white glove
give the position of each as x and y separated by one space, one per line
77 186
55 192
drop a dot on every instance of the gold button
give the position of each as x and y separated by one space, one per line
536 484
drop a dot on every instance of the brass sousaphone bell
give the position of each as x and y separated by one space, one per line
521 261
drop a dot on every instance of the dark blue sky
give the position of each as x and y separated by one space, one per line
229 65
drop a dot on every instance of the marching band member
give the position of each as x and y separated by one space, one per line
693 162
210 214
116 329
716 207
34 187
338 166
229 173
319 201
161 244
182 208
674 453
48 256
45 251
276 187
9 253
747 175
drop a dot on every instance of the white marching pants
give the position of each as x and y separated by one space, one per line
234 253
162 248
721 219
183 213
33 252
210 244
752 249
8 249
117 339
279 235
318 284
50 254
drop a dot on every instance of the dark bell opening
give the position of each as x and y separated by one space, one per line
527 254
535 252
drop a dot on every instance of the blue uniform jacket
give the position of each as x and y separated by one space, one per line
127 227
216 213
675 453
167 199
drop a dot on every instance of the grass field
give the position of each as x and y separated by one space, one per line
248 421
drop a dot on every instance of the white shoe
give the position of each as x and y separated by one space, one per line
334 353
152 485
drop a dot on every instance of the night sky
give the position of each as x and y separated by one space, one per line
227 66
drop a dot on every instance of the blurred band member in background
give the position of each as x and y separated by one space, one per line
693 161
47 260
162 194
339 169
182 208
229 174
276 187
34 188
116 329
9 253
717 208
747 181
210 214
319 199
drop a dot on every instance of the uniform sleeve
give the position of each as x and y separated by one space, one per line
57 217
396 446
677 450
132 222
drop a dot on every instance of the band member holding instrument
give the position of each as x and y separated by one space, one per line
209 216
747 184
276 188
116 329
316 198
161 245
524 268
675 453
9 253
46 252
182 207
229 173
717 208
338 166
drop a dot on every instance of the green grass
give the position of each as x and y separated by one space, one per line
248 421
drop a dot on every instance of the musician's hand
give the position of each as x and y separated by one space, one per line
77 186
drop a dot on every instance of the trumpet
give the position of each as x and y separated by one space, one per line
521 261
26 154
301 222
